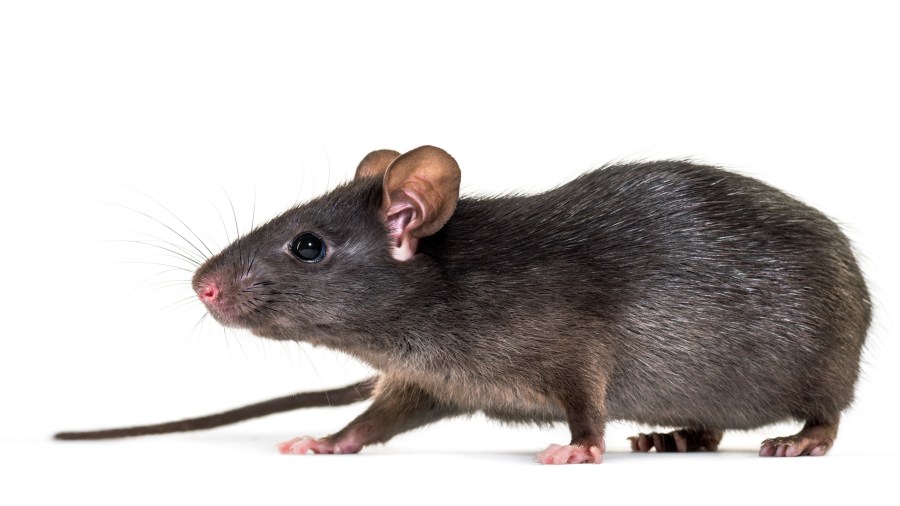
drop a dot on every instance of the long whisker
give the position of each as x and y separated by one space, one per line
272 309
177 254
179 247
163 224
177 305
221 218
241 347
237 228
252 224
173 267
169 284
179 220
179 301
253 213
199 322
146 281
237 232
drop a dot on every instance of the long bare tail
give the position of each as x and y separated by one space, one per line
334 397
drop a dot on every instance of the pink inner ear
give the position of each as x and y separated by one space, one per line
398 220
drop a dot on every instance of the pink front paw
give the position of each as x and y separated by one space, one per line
570 454
306 444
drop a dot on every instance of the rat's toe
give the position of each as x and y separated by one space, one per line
570 454
794 446
684 440
305 444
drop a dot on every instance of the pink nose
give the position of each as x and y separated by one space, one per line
208 292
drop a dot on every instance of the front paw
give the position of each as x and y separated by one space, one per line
571 454
307 444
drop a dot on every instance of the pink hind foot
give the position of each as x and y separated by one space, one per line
570 454
306 444
815 439
794 446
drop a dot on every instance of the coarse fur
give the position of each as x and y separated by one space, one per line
667 293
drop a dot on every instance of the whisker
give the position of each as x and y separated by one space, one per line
179 247
179 220
253 213
181 306
199 322
177 254
241 347
178 302
252 224
250 265
185 239
221 218
237 236
281 293
164 271
287 353
168 284
173 267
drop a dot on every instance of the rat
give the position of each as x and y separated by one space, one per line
668 293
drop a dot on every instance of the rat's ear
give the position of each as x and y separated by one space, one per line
421 188
375 163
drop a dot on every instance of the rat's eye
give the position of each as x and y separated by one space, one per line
308 247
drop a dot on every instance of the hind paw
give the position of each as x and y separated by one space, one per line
795 446
685 440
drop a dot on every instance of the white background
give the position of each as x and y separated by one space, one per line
105 105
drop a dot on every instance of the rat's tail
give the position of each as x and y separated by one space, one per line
334 397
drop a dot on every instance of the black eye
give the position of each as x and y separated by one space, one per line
308 247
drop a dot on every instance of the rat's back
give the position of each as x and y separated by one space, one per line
723 302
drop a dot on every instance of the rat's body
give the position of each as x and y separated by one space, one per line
666 293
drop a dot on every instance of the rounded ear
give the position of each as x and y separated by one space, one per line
421 189
375 163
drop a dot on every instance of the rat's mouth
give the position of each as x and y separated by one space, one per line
226 318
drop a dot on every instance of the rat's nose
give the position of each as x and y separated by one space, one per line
208 292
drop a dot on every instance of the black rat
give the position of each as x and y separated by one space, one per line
667 293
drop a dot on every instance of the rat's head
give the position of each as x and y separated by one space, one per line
338 258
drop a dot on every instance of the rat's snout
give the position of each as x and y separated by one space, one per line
211 289
219 298
208 291
229 299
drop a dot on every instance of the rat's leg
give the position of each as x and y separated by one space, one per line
397 407
586 414
814 439
684 440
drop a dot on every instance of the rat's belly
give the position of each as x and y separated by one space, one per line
511 403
